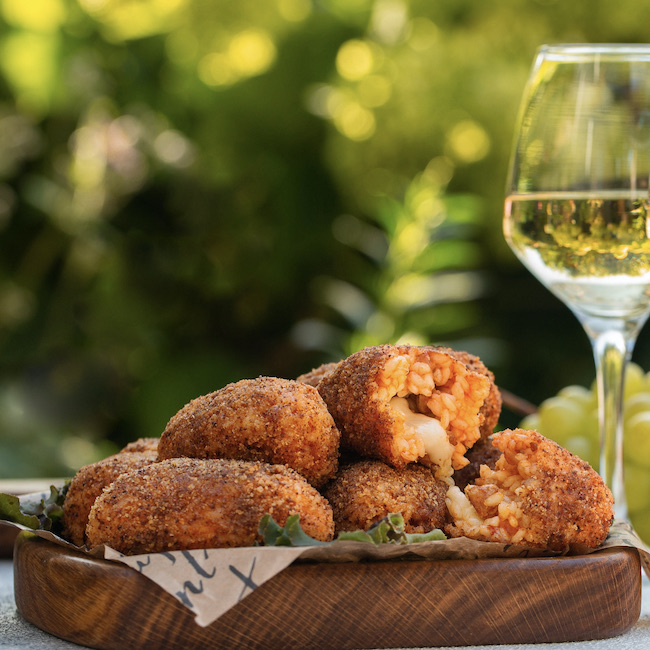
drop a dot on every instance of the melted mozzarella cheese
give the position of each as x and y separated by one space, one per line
429 430
460 507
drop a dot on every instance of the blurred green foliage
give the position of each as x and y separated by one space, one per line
194 192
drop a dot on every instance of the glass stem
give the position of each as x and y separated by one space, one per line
612 350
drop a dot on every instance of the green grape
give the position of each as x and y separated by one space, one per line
531 422
559 418
635 380
591 426
637 403
637 488
591 432
580 395
583 446
571 419
636 447
641 523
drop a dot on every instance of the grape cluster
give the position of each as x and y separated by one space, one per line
571 419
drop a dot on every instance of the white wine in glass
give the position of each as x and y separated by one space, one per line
577 207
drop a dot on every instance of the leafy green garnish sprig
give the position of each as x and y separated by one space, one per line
389 530
39 513
291 534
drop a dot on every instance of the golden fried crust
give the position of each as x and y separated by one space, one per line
538 494
87 485
350 392
491 409
189 503
142 444
366 491
482 453
359 390
313 377
265 419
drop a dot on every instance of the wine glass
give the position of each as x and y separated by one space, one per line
577 208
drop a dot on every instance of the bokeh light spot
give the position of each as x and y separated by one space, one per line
439 170
214 70
294 10
355 122
76 452
251 52
354 59
413 290
93 6
380 326
129 19
428 207
468 141
37 15
389 17
317 100
423 33
173 148
29 61
374 90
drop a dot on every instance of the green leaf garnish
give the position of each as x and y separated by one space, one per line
290 535
10 511
38 513
389 530
435 535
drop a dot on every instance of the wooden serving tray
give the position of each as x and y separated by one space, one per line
8 534
387 604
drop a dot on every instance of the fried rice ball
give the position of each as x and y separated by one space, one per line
266 419
313 377
538 495
142 444
89 482
491 409
367 491
190 503
482 453
402 404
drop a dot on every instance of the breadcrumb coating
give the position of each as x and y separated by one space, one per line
89 482
387 401
189 503
142 444
366 491
538 495
314 377
267 419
